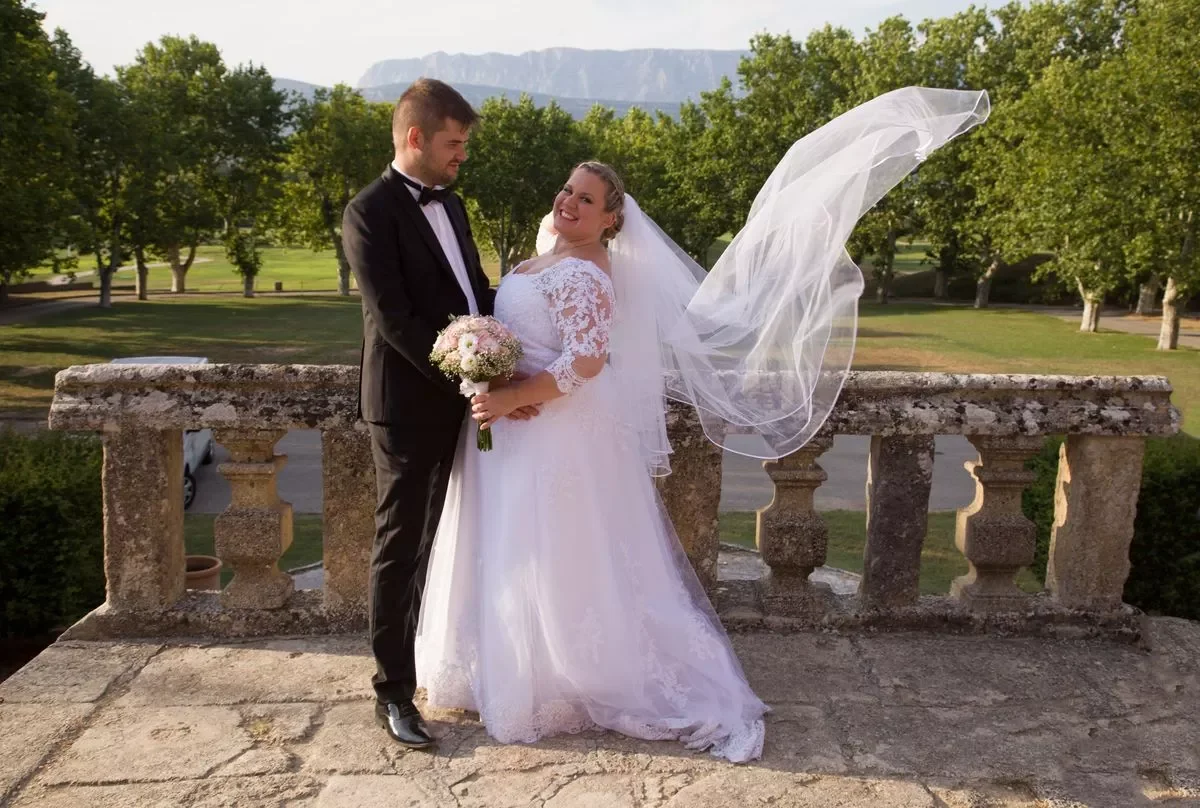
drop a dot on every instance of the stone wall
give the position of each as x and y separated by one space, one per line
141 410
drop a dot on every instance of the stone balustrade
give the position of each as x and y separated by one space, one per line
142 411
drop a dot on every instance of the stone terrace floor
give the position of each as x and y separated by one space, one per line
863 720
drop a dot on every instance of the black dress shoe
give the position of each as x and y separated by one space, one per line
403 722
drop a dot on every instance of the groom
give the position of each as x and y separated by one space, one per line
409 245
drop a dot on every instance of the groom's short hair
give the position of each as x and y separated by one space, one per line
427 104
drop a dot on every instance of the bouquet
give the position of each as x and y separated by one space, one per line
476 349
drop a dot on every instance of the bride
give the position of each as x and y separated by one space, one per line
558 597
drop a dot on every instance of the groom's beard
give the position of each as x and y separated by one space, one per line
436 174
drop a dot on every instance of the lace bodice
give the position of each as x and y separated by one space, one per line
560 314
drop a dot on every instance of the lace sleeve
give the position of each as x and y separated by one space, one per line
581 306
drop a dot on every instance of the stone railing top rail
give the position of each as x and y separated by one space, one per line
102 397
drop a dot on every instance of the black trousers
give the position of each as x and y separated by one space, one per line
412 471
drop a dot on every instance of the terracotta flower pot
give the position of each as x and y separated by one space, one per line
203 572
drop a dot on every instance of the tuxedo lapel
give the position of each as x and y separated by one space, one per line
417 219
458 220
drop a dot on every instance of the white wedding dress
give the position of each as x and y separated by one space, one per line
558 597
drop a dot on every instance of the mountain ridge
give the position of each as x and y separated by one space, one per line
645 76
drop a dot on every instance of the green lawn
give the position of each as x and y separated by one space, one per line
305 549
910 257
959 338
298 269
941 562
319 330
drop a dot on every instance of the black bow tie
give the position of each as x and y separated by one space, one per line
427 194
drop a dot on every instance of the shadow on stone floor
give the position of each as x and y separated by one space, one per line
856 720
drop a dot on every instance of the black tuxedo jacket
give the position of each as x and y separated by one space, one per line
409 293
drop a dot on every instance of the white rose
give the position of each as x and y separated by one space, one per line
467 344
469 362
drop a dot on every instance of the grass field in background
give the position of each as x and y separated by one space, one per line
298 269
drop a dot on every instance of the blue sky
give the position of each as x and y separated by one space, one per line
327 41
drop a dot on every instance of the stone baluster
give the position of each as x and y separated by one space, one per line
143 518
992 532
691 493
348 526
791 535
1095 502
899 475
256 529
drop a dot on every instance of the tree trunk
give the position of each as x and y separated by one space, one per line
143 274
1168 335
106 276
983 286
1147 295
343 268
3 292
179 269
247 286
331 230
940 284
1091 309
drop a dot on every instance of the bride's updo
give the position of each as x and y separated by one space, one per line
614 200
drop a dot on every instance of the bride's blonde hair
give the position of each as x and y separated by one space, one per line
614 200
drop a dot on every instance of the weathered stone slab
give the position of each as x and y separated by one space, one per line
916 669
597 791
126 795
754 786
314 670
973 743
291 790
350 742
74 671
259 761
801 738
28 733
384 791
508 790
802 667
279 723
151 744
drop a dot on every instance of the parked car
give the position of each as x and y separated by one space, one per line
198 445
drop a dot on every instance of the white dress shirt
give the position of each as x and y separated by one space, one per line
439 220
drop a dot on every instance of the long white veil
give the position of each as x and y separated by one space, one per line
763 341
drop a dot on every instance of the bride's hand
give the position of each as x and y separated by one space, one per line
488 408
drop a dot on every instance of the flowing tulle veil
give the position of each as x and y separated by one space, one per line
762 343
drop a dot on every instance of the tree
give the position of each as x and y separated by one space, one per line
889 62
789 89
949 57
1073 186
175 97
249 128
1016 49
104 141
1158 89
36 141
520 155
339 144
